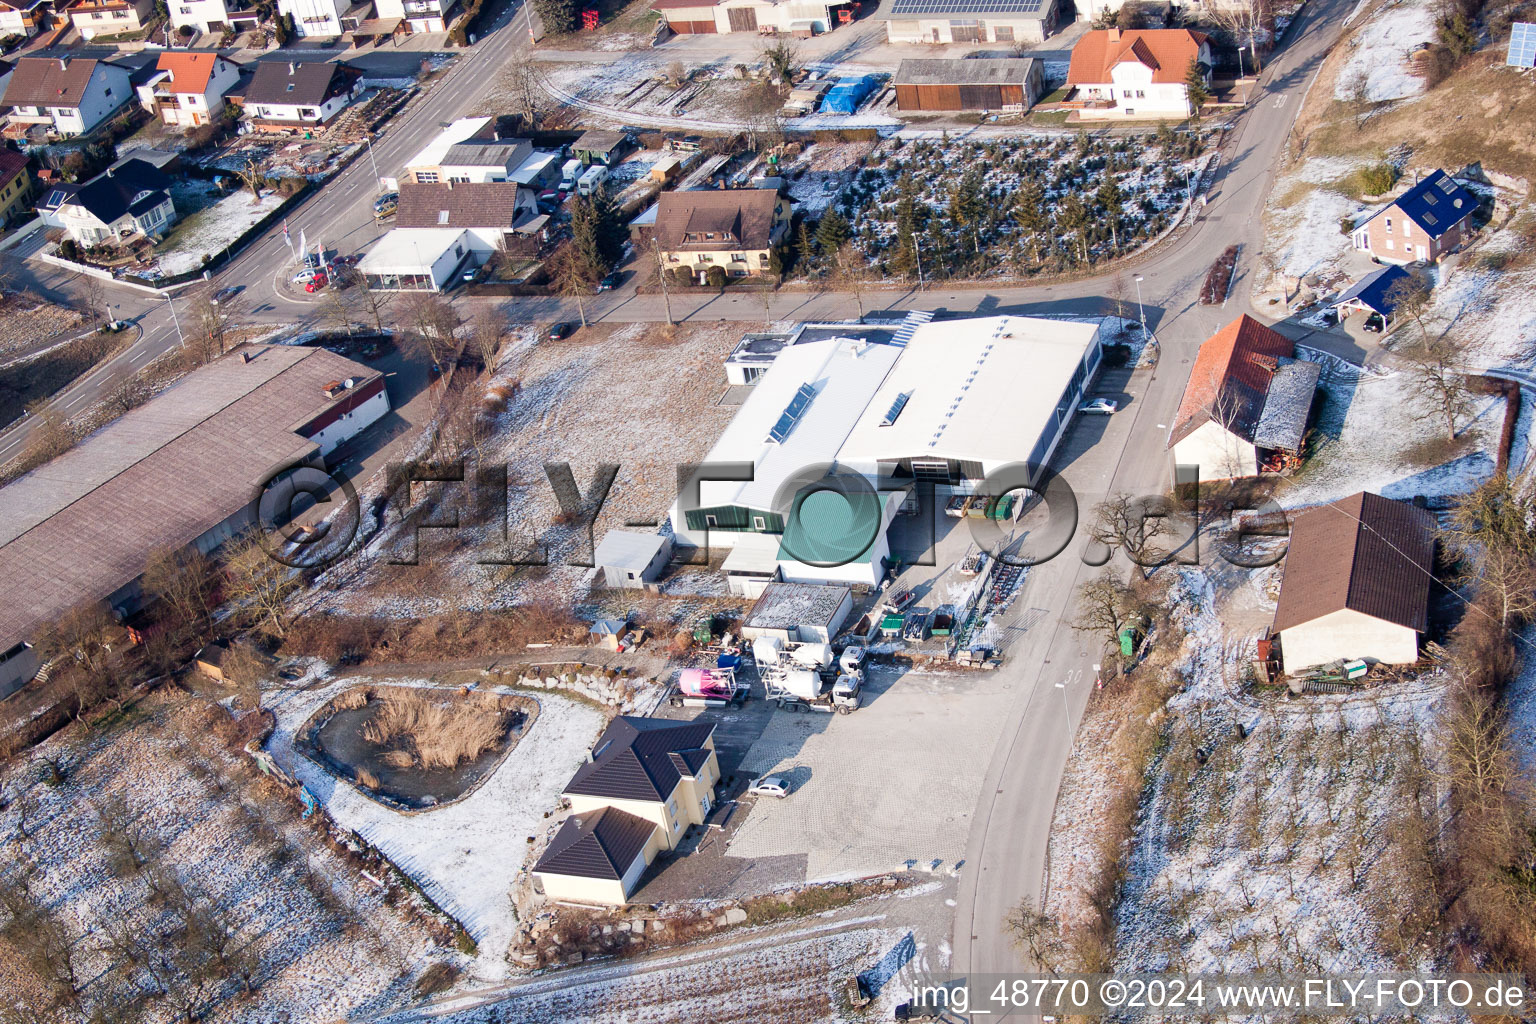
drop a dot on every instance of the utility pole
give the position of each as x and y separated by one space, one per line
661 276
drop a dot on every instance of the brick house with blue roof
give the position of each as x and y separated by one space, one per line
1424 223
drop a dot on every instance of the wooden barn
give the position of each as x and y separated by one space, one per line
1009 83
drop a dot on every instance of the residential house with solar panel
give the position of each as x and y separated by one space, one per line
646 780
1423 224
1246 405
970 21
1357 576
130 200
1118 74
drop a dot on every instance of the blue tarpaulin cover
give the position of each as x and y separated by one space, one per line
848 93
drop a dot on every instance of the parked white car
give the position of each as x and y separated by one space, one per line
1102 406
770 785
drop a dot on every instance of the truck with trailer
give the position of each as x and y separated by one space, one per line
709 688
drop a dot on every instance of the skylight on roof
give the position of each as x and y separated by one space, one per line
1431 198
792 413
896 407
1431 218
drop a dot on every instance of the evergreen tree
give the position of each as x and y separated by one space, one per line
559 16
805 245
1113 201
966 209
608 230
1072 216
585 245
1028 212
1194 84
904 260
832 230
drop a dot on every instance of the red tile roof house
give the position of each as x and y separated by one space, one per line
188 87
1424 223
1246 406
1137 74
1357 576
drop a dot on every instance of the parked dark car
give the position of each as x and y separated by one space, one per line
560 331
1375 324
609 282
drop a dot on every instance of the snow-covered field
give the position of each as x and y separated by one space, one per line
193 806
468 854
1369 426
210 231
1381 48
590 399
1286 849
1310 240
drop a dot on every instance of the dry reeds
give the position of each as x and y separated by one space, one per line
367 779
435 733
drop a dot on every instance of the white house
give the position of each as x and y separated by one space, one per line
93 18
299 94
130 198
490 211
211 15
1246 404
188 87
318 17
71 95
22 17
420 15
1357 578
797 17
417 259
1136 74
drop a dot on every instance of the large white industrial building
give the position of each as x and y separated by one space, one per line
947 402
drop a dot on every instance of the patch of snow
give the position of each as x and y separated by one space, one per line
1381 51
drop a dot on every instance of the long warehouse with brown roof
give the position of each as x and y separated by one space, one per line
180 470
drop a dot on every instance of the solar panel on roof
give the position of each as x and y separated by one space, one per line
916 7
1447 185
792 413
1522 45
896 407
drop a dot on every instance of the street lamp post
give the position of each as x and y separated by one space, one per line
368 139
918 252
1240 72
1065 707
180 338
1140 309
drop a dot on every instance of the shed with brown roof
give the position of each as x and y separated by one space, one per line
1003 83
1357 578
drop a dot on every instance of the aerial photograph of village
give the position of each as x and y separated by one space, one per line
767 511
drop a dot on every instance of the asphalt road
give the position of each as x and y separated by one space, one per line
1006 852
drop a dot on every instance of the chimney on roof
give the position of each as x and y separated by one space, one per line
1114 35
245 357
63 63
293 68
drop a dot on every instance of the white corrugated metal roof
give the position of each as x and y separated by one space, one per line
844 375
626 549
409 250
980 390
432 153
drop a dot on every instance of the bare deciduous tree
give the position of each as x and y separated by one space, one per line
1130 523
1438 385
1104 606
83 634
261 583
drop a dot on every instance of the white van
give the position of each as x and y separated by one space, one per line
595 176
570 172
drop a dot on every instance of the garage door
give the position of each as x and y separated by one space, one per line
743 19
964 31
